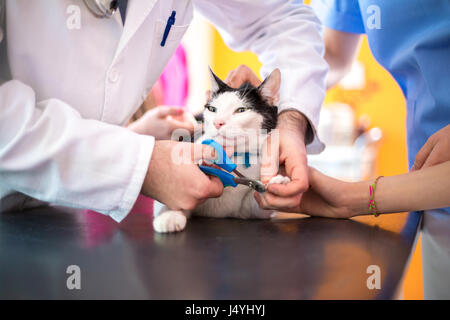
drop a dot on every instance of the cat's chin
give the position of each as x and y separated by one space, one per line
235 144
231 140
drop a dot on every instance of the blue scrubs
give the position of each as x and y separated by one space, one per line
413 44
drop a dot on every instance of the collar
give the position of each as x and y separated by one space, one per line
246 156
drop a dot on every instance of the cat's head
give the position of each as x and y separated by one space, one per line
232 114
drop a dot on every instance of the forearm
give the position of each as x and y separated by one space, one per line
424 189
50 153
341 49
337 70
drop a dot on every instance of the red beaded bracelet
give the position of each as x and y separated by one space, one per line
372 206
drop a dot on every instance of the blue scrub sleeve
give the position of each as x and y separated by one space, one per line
340 15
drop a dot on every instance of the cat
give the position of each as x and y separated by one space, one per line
230 116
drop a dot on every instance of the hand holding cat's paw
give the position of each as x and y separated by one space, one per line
169 221
269 201
292 154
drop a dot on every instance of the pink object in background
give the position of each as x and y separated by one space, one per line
175 79
171 89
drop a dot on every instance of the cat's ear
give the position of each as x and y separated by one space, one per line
216 83
270 88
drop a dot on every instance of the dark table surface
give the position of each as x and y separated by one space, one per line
288 258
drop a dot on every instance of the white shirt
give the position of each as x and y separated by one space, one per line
72 89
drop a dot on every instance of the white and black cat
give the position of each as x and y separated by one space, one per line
232 117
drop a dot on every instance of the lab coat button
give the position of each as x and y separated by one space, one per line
113 75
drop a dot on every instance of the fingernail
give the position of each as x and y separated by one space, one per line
265 179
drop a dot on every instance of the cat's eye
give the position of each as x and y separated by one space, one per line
210 108
241 109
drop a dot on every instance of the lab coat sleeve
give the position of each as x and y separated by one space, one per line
341 15
49 152
285 35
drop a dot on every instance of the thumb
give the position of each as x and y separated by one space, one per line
269 159
164 111
203 152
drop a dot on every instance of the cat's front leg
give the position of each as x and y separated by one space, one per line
170 220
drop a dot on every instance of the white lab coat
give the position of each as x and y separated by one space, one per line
61 139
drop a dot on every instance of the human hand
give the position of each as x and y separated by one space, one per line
180 186
436 150
333 198
292 128
161 121
240 75
291 154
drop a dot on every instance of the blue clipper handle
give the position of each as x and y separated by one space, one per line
223 161
226 178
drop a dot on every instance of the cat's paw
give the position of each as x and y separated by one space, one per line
279 179
169 221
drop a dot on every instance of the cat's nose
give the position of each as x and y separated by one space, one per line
218 123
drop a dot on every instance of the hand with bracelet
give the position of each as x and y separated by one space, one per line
424 189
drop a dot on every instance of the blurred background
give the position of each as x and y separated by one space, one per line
362 121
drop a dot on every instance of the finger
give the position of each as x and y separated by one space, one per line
240 75
230 76
261 201
215 187
208 95
433 159
176 124
269 160
203 152
169 111
278 203
297 170
423 154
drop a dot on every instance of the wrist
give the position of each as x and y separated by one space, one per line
357 198
295 121
135 127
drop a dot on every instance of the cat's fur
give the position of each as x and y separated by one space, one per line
223 123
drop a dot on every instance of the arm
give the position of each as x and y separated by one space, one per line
49 152
424 189
284 35
340 51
